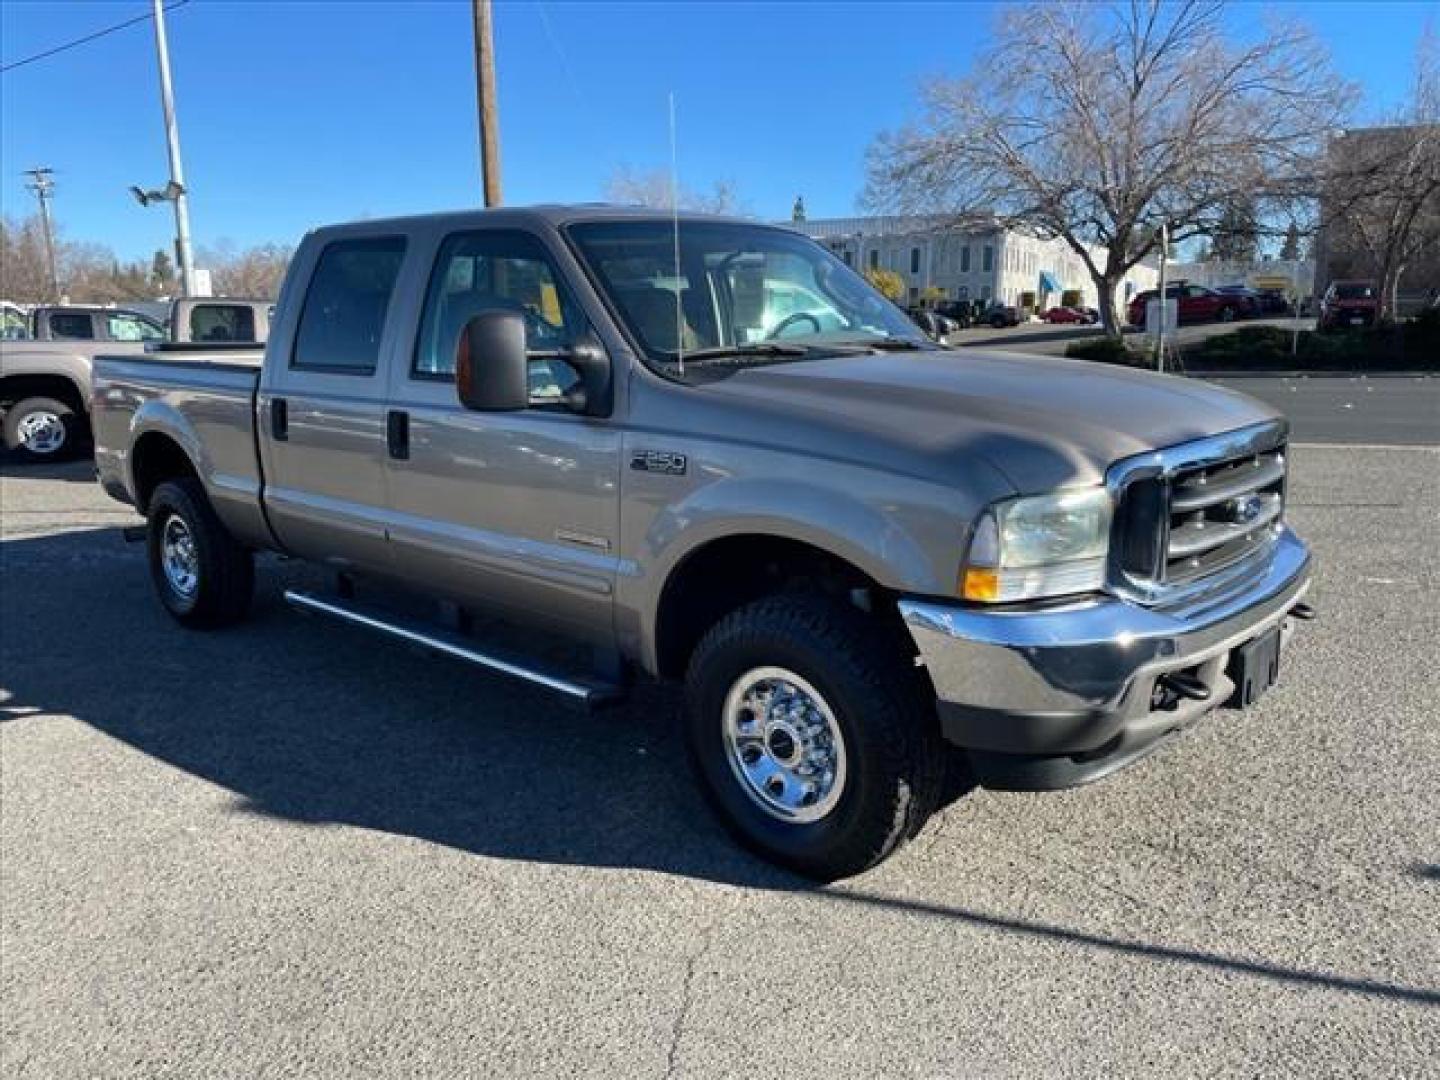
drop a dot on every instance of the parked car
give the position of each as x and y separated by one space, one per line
1272 302
927 321
851 546
961 312
45 375
1349 303
1249 298
1001 315
1194 304
1069 315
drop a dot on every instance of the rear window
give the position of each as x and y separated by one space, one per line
222 322
343 318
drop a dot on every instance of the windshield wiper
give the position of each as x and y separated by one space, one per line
892 344
754 348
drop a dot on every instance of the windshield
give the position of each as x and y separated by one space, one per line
1354 292
735 289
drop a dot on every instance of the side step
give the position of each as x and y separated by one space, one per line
587 693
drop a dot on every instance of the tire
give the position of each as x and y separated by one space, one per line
890 769
1227 314
43 429
202 575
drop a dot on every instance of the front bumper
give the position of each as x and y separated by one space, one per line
1053 696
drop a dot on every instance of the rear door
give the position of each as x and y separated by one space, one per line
322 405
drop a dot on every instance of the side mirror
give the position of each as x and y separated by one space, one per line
491 368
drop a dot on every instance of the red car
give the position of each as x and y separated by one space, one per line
1195 303
1067 315
1349 303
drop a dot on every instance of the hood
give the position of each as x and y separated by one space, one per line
1040 422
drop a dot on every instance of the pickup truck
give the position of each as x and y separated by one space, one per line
45 371
710 452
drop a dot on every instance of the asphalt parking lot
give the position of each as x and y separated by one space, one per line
289 849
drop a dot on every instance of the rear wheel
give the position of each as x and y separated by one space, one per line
43 429
812 735
202 575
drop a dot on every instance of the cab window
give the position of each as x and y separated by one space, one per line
498 271
127 326
343 317
72 326
222 322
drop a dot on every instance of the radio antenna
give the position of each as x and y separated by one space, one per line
675 229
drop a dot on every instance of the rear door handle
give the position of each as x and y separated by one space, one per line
397 434
279 419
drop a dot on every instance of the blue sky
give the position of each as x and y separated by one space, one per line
295 114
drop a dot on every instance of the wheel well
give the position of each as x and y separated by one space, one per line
155 459
17 388
724 574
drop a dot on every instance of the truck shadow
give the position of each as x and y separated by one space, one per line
313 723
77 470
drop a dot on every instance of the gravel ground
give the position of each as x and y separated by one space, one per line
292 850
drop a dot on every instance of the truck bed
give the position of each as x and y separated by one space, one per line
204 399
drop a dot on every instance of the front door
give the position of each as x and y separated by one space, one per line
517 511
322 410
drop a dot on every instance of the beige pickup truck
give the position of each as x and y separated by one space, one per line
46 356
710 451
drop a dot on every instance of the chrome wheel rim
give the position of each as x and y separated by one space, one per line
784 745
41 432
178 557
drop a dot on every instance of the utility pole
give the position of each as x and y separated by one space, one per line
1160 330
183 253
485 101
42 183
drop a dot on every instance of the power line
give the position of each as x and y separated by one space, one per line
88 37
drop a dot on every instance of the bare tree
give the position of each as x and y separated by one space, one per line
653 189
254 272
24 265
1096 124
1382 195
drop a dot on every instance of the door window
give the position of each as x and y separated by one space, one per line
126 326
498 271
343 319
72 326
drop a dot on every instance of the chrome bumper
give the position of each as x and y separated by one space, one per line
1077 678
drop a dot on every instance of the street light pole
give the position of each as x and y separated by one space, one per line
485 102
183 251
42 184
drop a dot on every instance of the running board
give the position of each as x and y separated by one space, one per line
589 694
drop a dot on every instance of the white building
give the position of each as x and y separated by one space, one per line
941 259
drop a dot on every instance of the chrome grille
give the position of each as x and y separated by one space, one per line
1222 513
1190 511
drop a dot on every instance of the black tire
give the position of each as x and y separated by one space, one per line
895 758
225 571
61 434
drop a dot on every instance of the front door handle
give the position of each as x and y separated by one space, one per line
397 434
279 419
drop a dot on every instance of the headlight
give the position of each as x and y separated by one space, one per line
1045 545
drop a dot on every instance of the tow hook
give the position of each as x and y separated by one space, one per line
1302 611
1187 686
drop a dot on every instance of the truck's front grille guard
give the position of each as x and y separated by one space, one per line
1193 516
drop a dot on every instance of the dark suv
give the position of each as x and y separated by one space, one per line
1349 303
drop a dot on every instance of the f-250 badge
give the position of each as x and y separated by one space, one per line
658 461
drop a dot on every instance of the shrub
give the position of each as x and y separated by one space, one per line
1107 350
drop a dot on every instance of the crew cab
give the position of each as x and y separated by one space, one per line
45 363
857 550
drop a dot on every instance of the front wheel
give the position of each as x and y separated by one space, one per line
202 575
43 429
812 735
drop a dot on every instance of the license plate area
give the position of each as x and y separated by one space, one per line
1254 667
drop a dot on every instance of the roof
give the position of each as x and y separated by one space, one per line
552 214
